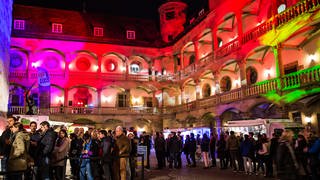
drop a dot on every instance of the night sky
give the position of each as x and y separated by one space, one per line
133 8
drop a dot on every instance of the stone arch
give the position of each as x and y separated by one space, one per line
84 121
227 28
19 59
84 61
230 114
139 62
83 95
140 125
56 95
16 95
111 123
186 53
205 43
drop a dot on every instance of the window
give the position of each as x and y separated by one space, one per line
122 100
201 12
134 68
98 31
220 43
225 84
56 28
18 24
251 75
131 34
281 8
169 15
291 67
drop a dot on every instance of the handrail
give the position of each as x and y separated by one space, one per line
290 81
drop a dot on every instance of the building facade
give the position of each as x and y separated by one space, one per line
245 60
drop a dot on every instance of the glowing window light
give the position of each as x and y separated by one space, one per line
70 66
311 58
36 64
107 99
281 8
59 99
123 68
308 119
268 73
95 68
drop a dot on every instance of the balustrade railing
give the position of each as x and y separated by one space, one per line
295 80
274 22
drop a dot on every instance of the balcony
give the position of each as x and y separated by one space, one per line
300 79
56 110
278 20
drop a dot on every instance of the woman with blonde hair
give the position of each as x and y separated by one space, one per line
19 151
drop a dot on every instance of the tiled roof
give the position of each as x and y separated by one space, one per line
78 26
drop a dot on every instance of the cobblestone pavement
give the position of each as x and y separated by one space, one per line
187 173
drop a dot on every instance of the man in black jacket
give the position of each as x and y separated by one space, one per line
160 148
45 147
106 146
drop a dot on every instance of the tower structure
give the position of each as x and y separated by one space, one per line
172 19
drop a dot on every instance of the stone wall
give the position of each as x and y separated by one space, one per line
5 32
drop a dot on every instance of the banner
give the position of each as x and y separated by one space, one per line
44 90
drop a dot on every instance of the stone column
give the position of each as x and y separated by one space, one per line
66 100
218 126
198 89
182 95
99 97
278 64
243 74
196 50
239 20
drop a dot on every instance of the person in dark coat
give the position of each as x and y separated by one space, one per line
186 151
192 148
106 159
287 165
174 149
45 147
205 150
159 146
213 149
75 152
221 150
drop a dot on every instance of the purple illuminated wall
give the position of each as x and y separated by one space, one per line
5 31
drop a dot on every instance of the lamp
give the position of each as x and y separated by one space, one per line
308 119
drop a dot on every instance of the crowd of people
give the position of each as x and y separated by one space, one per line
99 154
285 156
95 154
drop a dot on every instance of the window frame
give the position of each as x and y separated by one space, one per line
57 28
98 31
131 34
19 24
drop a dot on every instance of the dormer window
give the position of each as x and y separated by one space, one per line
201 12
131 34
18 24
56 28
170 15
281 8
98 31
